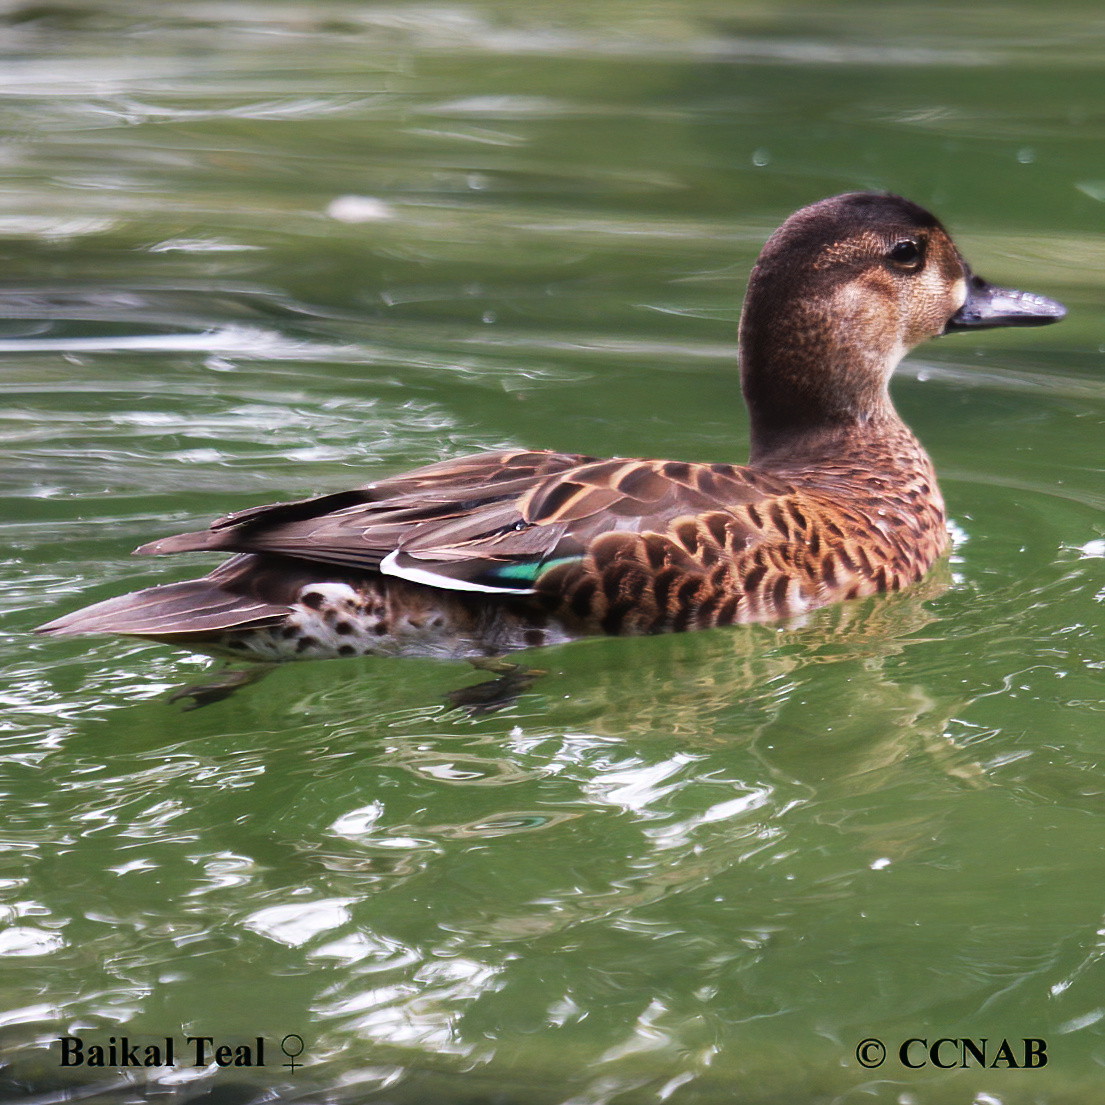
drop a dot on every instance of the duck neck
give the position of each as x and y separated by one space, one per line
810 396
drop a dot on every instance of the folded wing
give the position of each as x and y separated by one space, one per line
493 522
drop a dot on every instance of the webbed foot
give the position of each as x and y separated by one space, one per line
221 686
511 682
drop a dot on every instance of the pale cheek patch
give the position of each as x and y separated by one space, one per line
866 316
849 299
959 293
935 301
899 350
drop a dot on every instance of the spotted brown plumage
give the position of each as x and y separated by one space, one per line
511 549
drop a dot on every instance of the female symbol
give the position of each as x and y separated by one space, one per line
292 1047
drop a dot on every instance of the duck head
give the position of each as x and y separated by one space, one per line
840 293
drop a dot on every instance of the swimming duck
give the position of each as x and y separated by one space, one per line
505 550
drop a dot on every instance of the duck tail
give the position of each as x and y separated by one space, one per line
177 612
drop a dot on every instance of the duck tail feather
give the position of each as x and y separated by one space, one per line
182 542
192 610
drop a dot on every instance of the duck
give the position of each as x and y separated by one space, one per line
484 555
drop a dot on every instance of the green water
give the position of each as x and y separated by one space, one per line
255 251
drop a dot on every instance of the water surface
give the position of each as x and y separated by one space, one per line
254 252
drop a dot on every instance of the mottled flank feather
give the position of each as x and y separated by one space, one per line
513 549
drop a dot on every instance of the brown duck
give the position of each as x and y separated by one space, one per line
500 551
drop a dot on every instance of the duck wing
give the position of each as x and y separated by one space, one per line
494 522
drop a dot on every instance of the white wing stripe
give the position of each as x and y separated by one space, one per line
389 567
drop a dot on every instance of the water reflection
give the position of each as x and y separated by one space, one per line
682 837
257 252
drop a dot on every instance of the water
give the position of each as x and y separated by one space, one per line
253 252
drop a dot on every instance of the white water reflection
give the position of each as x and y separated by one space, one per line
298 923
258 250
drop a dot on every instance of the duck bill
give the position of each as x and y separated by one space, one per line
988 306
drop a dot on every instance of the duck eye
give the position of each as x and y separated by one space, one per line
906 254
